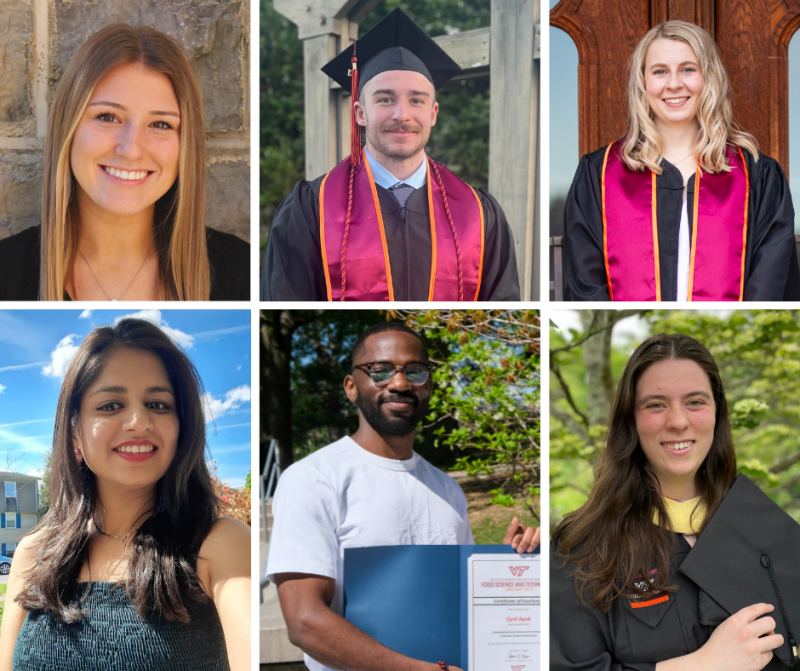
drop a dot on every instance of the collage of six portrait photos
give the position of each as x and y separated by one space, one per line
513 485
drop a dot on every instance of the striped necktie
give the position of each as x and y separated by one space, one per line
401 193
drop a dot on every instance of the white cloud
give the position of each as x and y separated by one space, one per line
86 314
60 357
2 388
154 317
215 408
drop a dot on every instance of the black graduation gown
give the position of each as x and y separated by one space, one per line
228 258
293 269
630 639
771 271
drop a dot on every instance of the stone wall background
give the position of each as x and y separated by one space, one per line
39 37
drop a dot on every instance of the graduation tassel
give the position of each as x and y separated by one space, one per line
766 562
355 129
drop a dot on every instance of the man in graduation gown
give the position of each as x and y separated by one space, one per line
388 223
770 270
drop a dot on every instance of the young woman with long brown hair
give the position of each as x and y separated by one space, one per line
684 207
132 567
124 188
617 599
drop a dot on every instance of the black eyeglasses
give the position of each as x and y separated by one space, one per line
382 372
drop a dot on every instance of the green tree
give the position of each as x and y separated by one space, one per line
485 399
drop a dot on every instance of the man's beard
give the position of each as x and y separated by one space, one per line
392 426
375 138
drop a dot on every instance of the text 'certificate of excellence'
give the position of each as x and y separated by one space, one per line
504 602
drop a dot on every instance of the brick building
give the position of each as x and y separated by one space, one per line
19 514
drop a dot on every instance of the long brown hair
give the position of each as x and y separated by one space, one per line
612 539
179 226
162 568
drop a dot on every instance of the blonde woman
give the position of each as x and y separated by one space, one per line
123 205
684 207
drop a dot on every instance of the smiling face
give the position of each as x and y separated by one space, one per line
398 109
675 418
128 422
126 147
398 406
673 82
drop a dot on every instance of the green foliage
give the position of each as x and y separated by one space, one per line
321 413
486 391
281 101
758 354
247 481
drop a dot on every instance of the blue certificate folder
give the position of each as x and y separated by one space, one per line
413 598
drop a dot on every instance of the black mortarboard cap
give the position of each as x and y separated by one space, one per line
749 553
395 43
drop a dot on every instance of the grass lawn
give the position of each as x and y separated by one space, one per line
2 592
489 522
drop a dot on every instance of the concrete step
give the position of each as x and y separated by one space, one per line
274 645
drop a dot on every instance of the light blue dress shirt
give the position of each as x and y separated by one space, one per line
387 180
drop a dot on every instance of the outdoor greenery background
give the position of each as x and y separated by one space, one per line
758 354
460 138
484 410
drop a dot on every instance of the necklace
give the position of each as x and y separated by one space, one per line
677 163
130 284
122 539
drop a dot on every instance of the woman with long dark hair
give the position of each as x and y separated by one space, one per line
132 567
618 600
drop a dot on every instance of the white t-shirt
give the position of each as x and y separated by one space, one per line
345 497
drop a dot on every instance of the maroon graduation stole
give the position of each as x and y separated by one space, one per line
353 238
630 231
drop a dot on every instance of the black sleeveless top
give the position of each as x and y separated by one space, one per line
112 637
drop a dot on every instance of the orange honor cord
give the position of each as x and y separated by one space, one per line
605 224
744 233
429 180
480 264
322 238
696 225
381 229
652 602
654 201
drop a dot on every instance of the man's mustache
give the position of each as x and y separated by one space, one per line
398 398
405 128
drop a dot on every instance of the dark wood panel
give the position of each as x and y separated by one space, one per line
605 34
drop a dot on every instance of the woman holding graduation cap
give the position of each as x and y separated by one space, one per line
673 563
389 223
684 207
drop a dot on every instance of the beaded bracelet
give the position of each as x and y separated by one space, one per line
444 666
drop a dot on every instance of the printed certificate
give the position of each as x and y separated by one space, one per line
504 602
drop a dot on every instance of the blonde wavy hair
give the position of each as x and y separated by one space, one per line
643 147
179 226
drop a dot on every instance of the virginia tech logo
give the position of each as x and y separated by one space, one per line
518 571
517 667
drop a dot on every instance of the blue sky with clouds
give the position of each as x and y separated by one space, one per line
37 345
